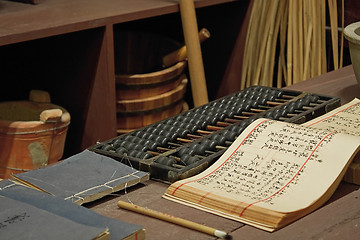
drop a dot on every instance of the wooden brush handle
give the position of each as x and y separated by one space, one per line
181 53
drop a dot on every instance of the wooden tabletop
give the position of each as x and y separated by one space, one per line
339 218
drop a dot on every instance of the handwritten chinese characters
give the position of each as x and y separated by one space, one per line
13 219
268 162
345 119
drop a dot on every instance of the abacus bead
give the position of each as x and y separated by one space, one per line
211 120
166 134
230 136
236 129
161 159
173 136
179 118
283 112
163 140
212 144
191 152
117 143
170 122
108 147
147 155
193 128
146 135
220 139
306 100
183 151
199 122
137 133
191 160
140 147
299 104
121 150
244 123
262 100
314 98
184 158
181 125
198 149
201 149
129 145
276 114
291 107
153 145
133 153
268 115
182 132
166 160
205 141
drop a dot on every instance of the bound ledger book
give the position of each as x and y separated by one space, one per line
26 213
275 172
82 178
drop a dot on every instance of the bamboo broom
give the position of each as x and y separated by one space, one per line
297 30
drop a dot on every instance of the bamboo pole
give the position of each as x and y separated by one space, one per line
181 53
334 31
282 63
295 31
289 64
300 45
342 34
248 50
260 47
323 36
195 62
264 59
267 79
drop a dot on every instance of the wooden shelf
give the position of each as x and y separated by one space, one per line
23 22
66 47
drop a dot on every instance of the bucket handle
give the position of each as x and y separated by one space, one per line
54 115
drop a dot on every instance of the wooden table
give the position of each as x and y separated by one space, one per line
339 218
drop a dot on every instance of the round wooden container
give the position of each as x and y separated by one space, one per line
32 135
146 92
132 114
135 86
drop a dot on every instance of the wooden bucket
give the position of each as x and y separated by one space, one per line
146 92
132 114
32 135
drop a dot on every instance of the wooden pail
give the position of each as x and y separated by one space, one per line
146 92
32 135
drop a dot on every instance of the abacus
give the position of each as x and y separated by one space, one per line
186 144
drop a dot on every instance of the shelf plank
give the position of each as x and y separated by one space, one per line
23 22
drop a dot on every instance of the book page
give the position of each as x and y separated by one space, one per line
276 165
345 119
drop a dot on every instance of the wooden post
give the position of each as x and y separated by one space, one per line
195 62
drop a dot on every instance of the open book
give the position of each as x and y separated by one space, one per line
275 172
